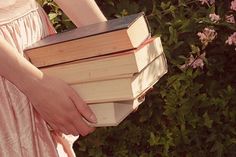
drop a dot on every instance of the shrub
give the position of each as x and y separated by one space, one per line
191 112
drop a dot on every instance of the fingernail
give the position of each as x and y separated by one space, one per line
93 118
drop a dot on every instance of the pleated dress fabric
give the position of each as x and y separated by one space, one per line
23 133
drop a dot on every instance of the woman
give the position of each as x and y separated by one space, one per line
29 99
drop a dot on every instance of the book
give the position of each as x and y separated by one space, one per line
88 41
124 88
113 113
122 64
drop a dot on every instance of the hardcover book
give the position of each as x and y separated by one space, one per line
121 64
123 88
112 36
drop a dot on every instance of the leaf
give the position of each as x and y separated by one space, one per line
195 49
52 16
173 35
164 6
153 140
207 121
218 148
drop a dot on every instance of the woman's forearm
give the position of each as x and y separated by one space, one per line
15 68
56 102
81 12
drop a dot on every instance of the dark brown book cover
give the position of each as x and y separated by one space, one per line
90 30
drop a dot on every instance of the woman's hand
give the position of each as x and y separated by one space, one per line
60 106
56 102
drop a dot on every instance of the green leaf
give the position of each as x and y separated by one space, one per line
207 121
165 6
52 16
195 49
173 35
218 148
153 139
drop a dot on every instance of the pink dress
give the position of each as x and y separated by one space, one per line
23 133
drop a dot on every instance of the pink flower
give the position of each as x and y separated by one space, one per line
194 62
231 39
230 18
207 2
214 17
233 5
207 36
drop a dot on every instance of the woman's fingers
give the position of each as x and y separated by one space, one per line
83 128
82 107
69 129
64 131
65 128
77 126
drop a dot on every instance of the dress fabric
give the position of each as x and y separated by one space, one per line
23 133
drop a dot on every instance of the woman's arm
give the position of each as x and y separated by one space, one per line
81 12
56 102
15 68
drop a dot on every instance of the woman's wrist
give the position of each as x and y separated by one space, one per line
27 77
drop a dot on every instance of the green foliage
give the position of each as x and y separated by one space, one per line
191 112
59 20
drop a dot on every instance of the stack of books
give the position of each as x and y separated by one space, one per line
110 64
